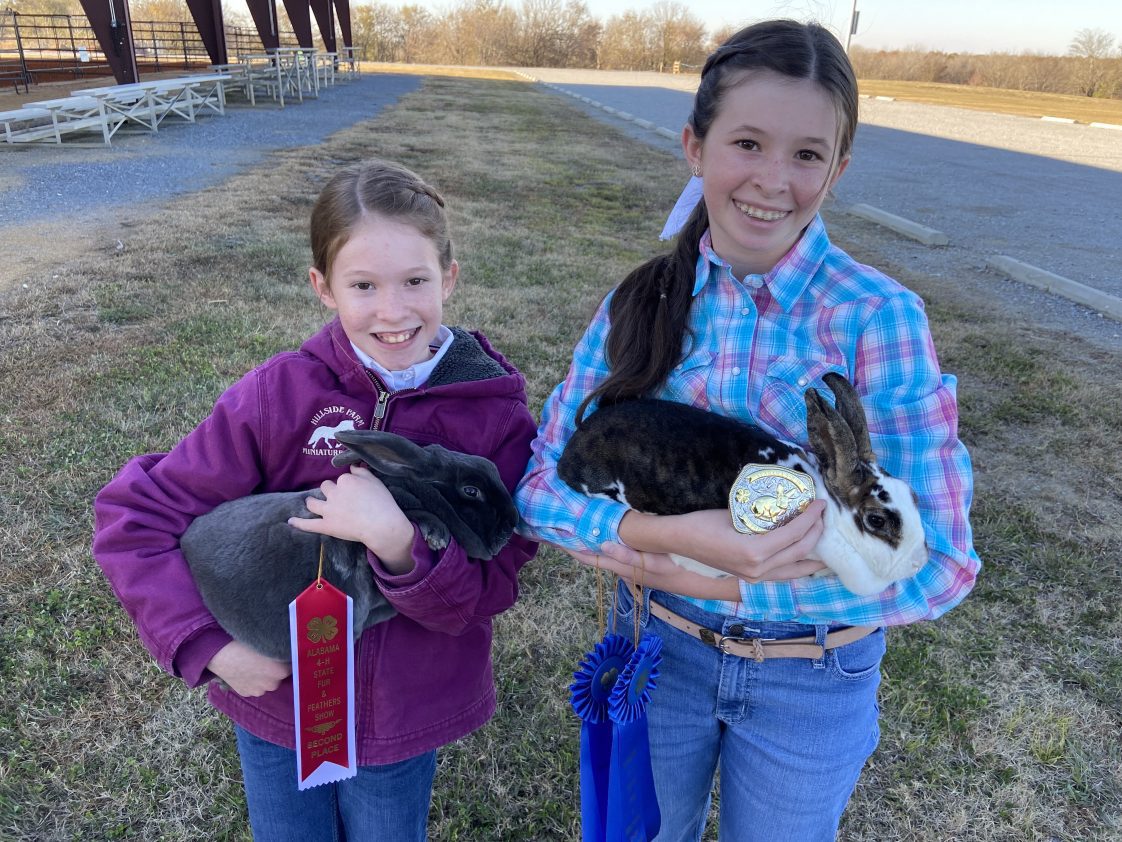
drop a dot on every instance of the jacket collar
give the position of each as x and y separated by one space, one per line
470 357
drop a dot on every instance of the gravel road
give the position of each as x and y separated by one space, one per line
77 180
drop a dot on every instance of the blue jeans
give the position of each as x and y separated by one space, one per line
380 803
790 735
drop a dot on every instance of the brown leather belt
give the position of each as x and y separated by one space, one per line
760 649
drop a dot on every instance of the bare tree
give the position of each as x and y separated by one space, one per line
1093 47
555 33
376 31
626 43
719 36
477 32
45 7
419 31
159 10
677 35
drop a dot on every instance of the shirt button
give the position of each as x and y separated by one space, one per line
678 366
802 381
745 311
596 531
736 370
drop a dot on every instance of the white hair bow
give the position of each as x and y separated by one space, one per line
691 195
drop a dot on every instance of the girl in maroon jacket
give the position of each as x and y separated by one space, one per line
383 262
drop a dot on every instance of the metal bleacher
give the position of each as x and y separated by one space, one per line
57 48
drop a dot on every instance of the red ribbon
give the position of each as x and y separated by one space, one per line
323 683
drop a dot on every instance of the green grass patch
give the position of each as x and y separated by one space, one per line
1000 720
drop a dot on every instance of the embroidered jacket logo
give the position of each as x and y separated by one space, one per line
325 424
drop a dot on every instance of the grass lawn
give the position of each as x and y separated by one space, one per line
1000 721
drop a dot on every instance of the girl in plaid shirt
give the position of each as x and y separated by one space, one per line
751 307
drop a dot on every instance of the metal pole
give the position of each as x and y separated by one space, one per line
22 58
852 25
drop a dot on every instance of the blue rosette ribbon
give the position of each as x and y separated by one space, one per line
633 814
591 693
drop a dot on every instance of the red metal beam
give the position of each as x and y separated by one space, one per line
325 20
300 15
110 22
343 13
264 14
208 20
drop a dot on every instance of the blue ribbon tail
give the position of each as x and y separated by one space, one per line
593 683
633 814
595 768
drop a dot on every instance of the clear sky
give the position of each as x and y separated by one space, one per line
976 26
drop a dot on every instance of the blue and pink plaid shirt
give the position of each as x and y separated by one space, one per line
755 345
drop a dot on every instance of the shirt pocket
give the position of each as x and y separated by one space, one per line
782 401
688 380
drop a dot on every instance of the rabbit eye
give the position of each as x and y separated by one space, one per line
875 521
471 491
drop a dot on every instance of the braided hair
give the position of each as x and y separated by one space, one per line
381 188
650 309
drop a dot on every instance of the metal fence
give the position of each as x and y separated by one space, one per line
42 48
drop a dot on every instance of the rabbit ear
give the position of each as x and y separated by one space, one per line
386 454
833 443
849 405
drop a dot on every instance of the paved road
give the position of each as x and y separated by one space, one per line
1048 194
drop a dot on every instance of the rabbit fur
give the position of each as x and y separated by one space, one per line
664 458
249 564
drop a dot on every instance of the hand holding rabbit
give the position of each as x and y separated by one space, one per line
246 671
707 536
251 556
673 465
358 507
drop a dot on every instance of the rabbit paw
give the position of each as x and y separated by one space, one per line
434 532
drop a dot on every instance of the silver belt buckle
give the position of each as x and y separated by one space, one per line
766 496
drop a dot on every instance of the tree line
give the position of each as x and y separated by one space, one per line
1092 67
535 33
562 33
661 37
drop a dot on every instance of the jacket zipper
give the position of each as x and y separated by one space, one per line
380 409
383 399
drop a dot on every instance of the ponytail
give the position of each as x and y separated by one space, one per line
651 308
649 313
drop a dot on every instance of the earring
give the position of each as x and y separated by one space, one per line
696 170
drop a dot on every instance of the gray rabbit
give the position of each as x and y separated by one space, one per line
667 458
249 564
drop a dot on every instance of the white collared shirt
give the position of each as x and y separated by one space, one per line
416 375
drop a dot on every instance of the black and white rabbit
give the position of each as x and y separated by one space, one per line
664 458
249 564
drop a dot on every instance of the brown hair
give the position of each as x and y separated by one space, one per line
376 187
650 308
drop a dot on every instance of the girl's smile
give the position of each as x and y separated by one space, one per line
767 161
389 290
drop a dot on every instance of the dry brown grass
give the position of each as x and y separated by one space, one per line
453 71
1023 103
1000 721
